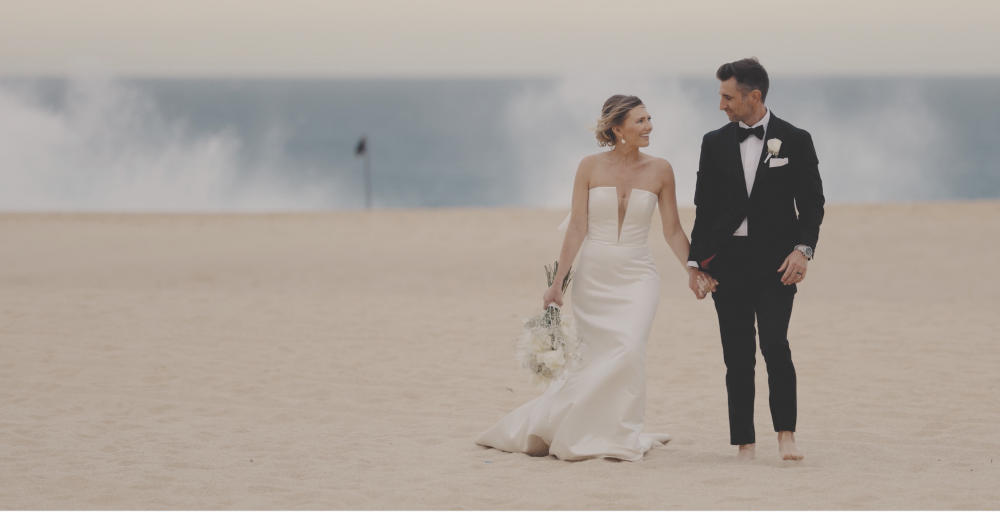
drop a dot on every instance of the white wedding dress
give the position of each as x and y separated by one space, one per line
599 409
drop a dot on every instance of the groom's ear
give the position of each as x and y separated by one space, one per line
754 96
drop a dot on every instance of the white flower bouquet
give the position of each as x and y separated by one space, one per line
548 345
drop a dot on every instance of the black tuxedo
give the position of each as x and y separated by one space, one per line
750 287
721 194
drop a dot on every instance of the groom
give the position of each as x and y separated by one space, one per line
754 174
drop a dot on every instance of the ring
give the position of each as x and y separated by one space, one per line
798 273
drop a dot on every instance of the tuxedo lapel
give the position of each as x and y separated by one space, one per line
775 130
733 159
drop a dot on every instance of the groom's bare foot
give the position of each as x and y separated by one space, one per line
747 452
786 446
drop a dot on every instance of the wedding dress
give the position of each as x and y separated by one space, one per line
599 409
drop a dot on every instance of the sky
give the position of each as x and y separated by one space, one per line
495 39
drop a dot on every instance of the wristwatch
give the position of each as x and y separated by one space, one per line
806 251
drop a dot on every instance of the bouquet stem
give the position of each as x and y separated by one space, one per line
552 317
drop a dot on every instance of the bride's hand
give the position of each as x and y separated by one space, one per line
700 283
552 294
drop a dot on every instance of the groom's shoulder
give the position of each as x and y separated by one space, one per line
716 135
798 140
792 130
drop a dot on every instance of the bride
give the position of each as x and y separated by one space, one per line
599 409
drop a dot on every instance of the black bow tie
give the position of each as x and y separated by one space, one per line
746 132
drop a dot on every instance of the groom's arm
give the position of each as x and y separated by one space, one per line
706 205
808 189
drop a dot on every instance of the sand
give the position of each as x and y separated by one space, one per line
346 361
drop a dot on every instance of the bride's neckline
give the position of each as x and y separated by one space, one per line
627 199
616 190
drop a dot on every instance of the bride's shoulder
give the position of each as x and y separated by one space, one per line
595 159
594 162
659 164
662 167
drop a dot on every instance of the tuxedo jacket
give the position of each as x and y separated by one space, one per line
722 202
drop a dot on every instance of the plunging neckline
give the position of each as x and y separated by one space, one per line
621 215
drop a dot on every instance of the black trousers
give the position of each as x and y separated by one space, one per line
750 289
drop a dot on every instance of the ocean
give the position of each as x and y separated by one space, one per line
99 143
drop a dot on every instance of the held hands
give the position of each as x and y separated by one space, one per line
794 267
700 283
552 294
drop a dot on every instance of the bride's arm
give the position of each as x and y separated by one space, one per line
673 233
575 232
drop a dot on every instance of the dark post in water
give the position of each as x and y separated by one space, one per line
362 150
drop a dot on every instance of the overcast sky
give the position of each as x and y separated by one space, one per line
493 38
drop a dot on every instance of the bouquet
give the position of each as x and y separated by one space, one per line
548 344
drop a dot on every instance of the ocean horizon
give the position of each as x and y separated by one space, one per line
99 143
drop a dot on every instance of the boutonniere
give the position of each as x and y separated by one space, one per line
773 147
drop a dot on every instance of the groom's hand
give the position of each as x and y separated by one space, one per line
794 267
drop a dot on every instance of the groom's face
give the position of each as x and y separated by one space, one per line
731 100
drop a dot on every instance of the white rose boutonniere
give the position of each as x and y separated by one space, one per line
773 147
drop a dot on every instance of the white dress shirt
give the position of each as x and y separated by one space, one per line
750 150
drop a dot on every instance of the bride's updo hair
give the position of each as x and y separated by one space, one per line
614 113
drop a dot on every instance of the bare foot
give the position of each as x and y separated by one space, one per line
786 446
746 452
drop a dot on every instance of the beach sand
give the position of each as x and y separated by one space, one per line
347 360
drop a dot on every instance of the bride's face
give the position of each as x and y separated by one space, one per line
636 127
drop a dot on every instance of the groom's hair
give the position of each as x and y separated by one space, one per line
749 75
